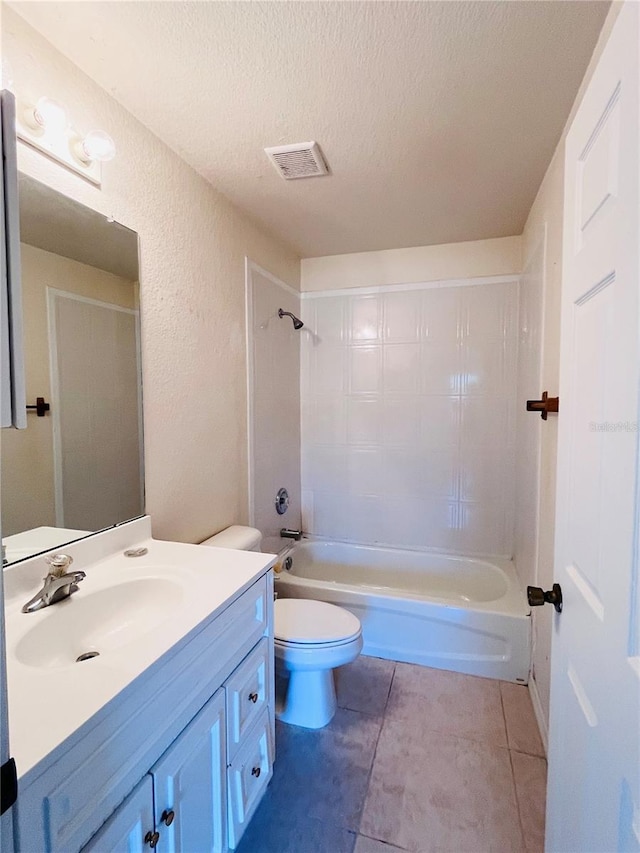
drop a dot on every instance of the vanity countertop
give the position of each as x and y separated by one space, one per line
132 610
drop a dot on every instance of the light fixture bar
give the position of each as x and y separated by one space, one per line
61 153
45 128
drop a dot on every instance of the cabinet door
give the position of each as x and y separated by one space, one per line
190 786
127 827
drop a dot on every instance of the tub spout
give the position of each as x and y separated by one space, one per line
286 533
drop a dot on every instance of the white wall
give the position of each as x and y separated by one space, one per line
193 244
407 424
501 256
275 404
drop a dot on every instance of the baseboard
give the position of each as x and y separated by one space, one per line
537 710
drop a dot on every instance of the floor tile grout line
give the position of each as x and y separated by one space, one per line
519 810
375 751
382 841
504 717
391 680
530 754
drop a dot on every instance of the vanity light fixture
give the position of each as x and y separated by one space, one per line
46 128
96 146
47 116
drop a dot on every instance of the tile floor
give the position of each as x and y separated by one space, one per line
415 759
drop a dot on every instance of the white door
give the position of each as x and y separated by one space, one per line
190 786
96 411
130 827
594 759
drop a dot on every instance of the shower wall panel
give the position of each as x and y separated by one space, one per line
408 415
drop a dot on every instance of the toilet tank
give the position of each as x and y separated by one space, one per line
237 537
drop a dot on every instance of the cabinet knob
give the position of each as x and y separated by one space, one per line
152 838
167 817
255 772
253 697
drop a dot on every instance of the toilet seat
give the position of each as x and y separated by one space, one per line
305 623
334 645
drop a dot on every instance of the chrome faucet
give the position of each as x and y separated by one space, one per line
58 583
286 533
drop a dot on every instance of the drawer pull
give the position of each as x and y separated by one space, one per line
255 772
253 697
167 817
152 838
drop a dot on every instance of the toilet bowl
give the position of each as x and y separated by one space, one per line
311 639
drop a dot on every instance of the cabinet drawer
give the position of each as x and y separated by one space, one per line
248 776
247 694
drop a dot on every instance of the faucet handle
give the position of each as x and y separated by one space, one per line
59 563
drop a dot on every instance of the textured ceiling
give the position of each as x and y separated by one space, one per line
438 119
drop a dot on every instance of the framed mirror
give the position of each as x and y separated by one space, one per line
78 467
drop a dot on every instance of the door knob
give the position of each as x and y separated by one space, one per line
536 596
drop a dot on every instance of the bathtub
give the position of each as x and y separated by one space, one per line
455 613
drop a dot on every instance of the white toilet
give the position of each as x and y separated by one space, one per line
311 639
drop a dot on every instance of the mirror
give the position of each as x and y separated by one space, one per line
78 467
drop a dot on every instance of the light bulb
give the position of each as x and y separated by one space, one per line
96 145
50 114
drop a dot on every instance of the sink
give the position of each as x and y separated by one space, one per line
99 621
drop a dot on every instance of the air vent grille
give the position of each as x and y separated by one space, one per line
302 160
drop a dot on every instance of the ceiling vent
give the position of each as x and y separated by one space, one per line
302 160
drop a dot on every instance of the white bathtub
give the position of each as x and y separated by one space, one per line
454 613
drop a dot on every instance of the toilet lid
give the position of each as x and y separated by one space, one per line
299 620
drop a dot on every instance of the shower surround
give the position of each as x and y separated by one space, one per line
408 398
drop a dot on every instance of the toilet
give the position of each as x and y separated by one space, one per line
311 639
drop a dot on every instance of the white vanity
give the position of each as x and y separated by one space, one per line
166 737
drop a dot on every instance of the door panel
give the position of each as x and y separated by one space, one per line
95 394
593 790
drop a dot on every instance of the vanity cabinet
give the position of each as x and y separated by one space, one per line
180 805
190 785
126 828
181 758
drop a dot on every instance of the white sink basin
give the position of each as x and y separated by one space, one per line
132 610
99 621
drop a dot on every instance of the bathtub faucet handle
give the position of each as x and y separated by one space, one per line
286 533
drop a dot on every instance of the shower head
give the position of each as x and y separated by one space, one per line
297 324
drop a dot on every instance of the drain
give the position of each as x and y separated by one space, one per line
87 656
